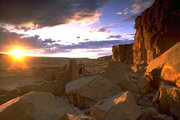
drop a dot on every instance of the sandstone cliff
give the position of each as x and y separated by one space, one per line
122 53
157 29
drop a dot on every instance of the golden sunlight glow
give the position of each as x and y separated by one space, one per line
17 52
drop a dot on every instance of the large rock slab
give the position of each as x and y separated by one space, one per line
123 76
119 107
33 106
168 66
169 99
87 91
157 29
123 53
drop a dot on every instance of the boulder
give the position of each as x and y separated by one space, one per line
166 67
87 91
150 113
119 107
33 106
157 30
122 53
169 99
125 78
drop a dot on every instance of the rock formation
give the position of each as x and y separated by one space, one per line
122 53
121 106
157 29
87 91
125 78
166 67
33 106
169 99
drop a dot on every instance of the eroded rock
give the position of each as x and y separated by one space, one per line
166 67
33 106
119 107
123 76
123 53
87 91
169 99
157 29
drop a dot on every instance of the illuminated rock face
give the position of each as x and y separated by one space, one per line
119 107
157 29
169 64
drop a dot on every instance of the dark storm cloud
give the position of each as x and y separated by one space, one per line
46 12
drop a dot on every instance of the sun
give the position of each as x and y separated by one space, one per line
17 52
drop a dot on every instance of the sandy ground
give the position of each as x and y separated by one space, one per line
10 83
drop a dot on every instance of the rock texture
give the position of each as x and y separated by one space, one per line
166 67
122 53
119 107
125 78
157 29
33 106
87 91
169 99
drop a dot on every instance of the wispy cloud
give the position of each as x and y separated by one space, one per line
124 12
140 5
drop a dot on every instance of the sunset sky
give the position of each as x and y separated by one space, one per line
68 28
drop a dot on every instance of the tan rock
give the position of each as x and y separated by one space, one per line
87 91
123 76
119 107
33 106
169 99
170 65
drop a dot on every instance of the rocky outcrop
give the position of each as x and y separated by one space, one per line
125 78
119 107
88 91
122 53
157 29
33 106
105 58
165 68
169 99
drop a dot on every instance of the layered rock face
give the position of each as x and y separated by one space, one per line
157 29
122 53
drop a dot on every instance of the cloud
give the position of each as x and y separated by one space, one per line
49 46
114 36
95 44
130 18
44 13
140 5
124 12
103 29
